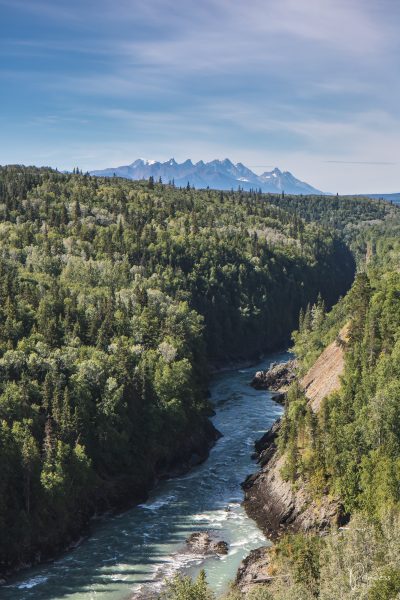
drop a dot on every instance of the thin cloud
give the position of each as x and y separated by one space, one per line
48 10
359 162
290 83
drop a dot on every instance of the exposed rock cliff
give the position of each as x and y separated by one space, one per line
254 569
324 376
276 504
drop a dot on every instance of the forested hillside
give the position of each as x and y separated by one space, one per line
347 451
339 212
350 449
355 443
115 296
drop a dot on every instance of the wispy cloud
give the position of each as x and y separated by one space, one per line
360 162
49 10
296 82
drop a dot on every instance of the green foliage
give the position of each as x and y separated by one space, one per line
114 296
302 552
348 214
354 442
361 561
260 592
316 330
387 586
183 588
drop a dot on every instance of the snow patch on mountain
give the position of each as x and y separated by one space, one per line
216 174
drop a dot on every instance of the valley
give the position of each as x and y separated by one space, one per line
118 300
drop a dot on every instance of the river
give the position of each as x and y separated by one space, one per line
130 553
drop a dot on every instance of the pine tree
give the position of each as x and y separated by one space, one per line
76 211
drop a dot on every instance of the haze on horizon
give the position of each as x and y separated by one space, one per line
310 86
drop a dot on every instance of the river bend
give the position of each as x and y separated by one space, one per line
130 553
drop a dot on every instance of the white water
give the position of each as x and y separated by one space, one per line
131 553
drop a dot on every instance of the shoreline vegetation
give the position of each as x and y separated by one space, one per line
302 489
115 298
347 383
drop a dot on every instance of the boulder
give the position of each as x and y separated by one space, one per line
220 547
201 542
277 378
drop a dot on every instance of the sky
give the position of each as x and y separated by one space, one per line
309 86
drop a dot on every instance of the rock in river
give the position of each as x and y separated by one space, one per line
201 542
277 378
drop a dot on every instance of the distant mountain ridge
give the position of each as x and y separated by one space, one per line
216 174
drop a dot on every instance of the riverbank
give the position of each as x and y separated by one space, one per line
138 548
191 451
273 502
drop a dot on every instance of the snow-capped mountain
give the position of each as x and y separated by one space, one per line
217 174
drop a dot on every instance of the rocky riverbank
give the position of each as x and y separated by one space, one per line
277 505
277 378
254 570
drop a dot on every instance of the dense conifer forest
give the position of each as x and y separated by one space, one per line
116 297
354 445
350 449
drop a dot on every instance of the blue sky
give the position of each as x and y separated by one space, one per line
310 86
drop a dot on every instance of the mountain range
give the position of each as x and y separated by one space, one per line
216 174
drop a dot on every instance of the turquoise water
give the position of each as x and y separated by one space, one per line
129 554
